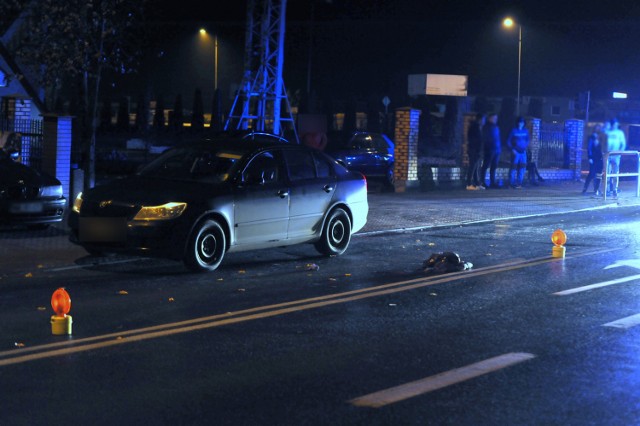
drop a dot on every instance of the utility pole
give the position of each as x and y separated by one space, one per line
262 96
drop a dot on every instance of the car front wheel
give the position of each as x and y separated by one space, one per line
336 234
206 248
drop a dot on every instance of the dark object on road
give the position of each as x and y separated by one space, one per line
197 201
443 262
27 196
371 154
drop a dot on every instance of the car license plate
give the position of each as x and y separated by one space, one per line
103 229
26 207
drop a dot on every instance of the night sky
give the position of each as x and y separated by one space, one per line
368 48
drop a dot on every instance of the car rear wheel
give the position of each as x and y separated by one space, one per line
336 234
390 177
206 248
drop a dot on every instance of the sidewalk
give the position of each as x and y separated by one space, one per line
390 212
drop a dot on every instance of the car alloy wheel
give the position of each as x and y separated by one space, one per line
336 234
207 247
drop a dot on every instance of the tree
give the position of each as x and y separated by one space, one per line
122 119
142 114
158 116
72 43
197 119
178 115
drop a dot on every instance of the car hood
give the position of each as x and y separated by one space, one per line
12 172
140 190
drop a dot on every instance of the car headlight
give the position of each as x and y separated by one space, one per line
77 203
52 191
164 212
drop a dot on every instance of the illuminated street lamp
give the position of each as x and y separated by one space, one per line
509 23
203 32
215 115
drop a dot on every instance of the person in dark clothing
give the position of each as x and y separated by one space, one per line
492 149
474 149
518 142
596 163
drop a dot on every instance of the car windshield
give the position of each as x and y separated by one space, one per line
190 163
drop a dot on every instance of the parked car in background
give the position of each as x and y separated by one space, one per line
197 201
371 154
27 196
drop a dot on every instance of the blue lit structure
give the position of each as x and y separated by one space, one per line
261 103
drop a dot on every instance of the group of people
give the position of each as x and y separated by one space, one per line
605 138
485 149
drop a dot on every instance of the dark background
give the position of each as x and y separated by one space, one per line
363 48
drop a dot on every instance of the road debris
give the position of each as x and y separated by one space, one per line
443 262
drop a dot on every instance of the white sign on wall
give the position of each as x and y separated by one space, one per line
438 84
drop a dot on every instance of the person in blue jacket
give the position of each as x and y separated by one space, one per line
492 149
518 142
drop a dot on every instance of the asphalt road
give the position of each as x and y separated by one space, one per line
369 338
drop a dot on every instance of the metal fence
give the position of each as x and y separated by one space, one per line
30 132
552 153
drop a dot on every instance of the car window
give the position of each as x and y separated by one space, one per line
193 164
380 143
265 168
301 164
323 168
361 142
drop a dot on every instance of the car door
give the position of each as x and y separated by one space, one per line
261 208
312 186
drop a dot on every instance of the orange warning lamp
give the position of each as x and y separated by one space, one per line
61 304
558 238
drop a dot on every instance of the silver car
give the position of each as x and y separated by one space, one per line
196 202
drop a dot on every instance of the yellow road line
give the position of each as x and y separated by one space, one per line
89 343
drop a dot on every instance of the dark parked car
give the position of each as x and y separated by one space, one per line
368 153
28 197
198 201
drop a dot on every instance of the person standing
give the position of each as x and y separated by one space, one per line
518 142
616 141
492 149
474 150
596 165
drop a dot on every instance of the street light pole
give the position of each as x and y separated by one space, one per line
509 22
215 62
519 66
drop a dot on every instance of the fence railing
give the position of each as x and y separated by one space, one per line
607 175
552 151
30 139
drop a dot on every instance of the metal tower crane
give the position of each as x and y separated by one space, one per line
261 102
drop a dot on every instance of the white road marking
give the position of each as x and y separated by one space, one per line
597 285
634 263
627 322
90 265
439 381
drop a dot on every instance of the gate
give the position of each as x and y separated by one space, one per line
30 132
552 152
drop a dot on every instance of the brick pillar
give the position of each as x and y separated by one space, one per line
56 149
405 167
574 134
533 124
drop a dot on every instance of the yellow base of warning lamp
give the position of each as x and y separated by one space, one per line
61 325
61 304
558 238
